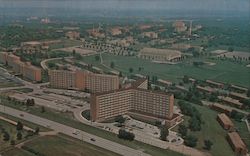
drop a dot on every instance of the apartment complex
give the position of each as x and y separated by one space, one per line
135 100
83 80
25 69
160 54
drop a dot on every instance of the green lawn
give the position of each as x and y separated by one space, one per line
224 71
11 130
17 152
26 123
211 130
67 119
65 146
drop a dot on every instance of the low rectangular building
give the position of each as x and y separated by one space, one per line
231 101
238 96
225 122
237 143
160 54
221 108
215 84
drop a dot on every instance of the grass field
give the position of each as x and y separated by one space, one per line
59 145
224 71
17 152
11 130
26 123
211 130
68 120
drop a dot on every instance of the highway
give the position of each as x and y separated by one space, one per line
75 133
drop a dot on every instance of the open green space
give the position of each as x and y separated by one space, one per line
11 130
26 123
237 73
16 152
68 119
59 145
212 130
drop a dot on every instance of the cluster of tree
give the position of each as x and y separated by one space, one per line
236 115
193 95
195 121
120 119
30 102
246 102
164 133
198 63
123 134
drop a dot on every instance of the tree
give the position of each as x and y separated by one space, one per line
112 64
19 136
123 134
190 141
164 133
248 91
42 109
208 144
131 70
120 119
230 49
74 52
6 136
97 57
183 130
37 130
19 126
12 142
185 79
32 102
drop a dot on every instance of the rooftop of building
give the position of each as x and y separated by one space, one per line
236 140
159 51
225 119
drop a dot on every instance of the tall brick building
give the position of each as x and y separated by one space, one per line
134 100
25 69
83 80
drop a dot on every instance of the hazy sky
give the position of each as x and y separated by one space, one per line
223 5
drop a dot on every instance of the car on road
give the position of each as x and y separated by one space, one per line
75 132
21 115
92 139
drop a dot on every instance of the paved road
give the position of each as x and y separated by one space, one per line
43 63
81 135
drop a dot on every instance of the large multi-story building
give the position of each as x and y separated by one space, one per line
179 26
23 68
83 80
160 54
134 100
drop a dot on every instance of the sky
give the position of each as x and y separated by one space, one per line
210 6
224 5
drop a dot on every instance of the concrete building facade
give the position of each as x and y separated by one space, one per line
135 99
83 80
26 69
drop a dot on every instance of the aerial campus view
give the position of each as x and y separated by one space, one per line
124 77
